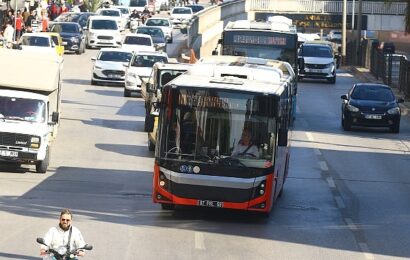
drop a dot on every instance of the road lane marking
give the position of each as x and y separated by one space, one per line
297 109
331 182
317 151
340 203
323 166
309 136
350 224
199 241
366 251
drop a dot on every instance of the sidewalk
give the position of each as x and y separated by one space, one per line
364 75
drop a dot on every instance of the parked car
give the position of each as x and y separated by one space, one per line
103 31
109 66
157 35
370 104
138 42
141 66
181 15
317 61
115 13
80 18
196 8
41 42
164 23
72 35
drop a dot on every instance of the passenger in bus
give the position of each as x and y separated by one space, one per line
245 147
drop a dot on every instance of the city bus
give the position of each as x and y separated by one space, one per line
273 39
222 138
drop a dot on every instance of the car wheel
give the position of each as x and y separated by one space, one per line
94 83
127 93
395 128
346 125
42 166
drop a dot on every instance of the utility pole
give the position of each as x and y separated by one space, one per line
344 32
359 32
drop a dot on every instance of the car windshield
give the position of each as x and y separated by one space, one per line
157 22
317 51
115 56
203 124
69 28
138 3
110 12
35 41
156 32
104 25
137 40
182 11
147 60
23 109
68 17
373 93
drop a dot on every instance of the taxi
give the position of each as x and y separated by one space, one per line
42 42
58 41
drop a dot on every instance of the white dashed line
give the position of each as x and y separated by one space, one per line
331 182
366 251
350 224
309 136
340 203
199 241
317 151
323 166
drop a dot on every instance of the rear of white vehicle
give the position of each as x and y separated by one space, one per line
164 23
181 15
138 5
103 31
138 42
114 13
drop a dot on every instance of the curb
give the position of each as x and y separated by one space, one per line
364 75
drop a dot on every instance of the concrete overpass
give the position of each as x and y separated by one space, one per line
206 28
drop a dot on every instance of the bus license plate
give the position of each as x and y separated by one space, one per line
373 116
8 153
210 203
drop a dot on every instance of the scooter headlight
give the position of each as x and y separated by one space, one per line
62 250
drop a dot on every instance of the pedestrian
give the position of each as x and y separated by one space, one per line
30 20
9 35
25 14
19 24
44 21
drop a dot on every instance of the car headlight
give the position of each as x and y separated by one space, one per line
393 111
74 39
97 67
35 142
131 74
329 65
352 108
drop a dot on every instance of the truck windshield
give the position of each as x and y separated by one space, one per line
138 3
22 109
209 125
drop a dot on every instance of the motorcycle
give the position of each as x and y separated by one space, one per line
62 253
134 23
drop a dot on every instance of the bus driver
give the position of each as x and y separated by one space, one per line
245 147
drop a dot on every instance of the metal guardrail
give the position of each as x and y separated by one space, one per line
313 6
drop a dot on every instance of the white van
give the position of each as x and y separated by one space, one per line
102 31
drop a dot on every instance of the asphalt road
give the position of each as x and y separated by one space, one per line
347 195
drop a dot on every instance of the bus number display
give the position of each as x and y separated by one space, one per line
259 40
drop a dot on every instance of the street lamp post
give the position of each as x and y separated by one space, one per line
359 32
344 32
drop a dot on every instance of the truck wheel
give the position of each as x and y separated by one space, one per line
127 93
42 166
166 206
149 122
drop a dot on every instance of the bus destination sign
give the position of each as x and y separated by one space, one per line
259 40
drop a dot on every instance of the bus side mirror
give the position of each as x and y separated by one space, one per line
55 116
301 63
214 52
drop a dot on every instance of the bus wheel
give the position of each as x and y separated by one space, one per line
166 206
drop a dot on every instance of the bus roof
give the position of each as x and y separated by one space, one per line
243 67
38 72
227 83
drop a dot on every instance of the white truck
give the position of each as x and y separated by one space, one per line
30 105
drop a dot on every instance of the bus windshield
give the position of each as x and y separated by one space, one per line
212 125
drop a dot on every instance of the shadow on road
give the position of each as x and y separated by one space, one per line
129 125
83 82
15 256
126 149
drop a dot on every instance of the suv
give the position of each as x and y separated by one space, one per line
316 60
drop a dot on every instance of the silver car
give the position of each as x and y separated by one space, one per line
164 23
109 66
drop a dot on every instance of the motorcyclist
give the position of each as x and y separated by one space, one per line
135 15
63 235
145 14
146 11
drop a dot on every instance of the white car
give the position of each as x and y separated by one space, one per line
138 42
164 23
102 31
180 15
109 66
39 42
115 13
125 13
141 66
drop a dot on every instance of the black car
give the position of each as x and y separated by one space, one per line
80 18
369 104
157 35
72 35
196 8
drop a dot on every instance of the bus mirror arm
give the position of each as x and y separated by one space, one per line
301 63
